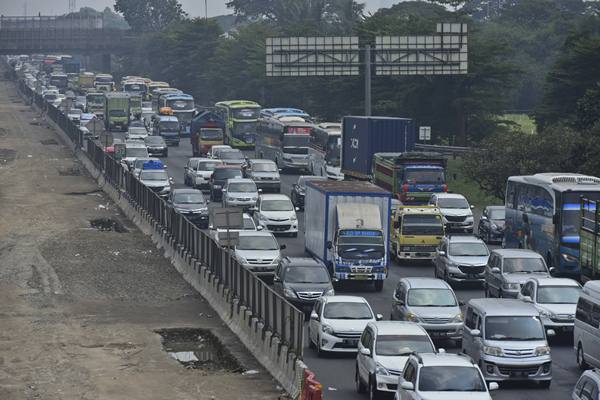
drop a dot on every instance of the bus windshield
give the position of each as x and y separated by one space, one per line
242 128
334 148
570 221
245 113
180 104
96 100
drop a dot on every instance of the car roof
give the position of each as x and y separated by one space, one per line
421 283
464 239
503 307
227 166
274 196
549 281
495 207
516 253
135 144
397 328
186 190
256 233
593 374
592 288
445 360
240 180
345 299
261 160
449 196
302 262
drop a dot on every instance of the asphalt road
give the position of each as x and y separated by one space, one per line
336 373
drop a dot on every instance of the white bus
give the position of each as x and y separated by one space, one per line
284 141
325 149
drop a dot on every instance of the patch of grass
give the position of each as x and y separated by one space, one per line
526 123
460 184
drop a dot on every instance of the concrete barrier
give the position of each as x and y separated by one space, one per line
267 349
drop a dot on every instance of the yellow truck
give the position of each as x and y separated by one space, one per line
416 232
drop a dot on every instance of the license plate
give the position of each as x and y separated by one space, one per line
351 342
437 334
361 277
472 276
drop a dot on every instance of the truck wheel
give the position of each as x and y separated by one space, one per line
379 286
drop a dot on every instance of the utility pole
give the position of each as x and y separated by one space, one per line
368 80
205 9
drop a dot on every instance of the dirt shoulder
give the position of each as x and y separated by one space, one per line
79 306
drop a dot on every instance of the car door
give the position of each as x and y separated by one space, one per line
315 324
594 350
441 260
399 303
493 280
363 361
483 224
278 279
526 291
473 344
409 375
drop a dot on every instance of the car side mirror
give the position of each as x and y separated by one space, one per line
441 350
260 228
329 245
260 190
314 316
475 332
378 317
527 299
442 253
461 303
495 270
493 386
472 207
171 180
223 190
276 279
483 218
282 247
407 385
552 270
297 208
551 332
365 352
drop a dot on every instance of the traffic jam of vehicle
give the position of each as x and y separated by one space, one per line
359 198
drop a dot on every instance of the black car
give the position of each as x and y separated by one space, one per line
156 146
302 280
299 189
191 203
219 177
491 224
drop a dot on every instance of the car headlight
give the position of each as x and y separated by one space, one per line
458 318
547 314
381 370
204 210
287 292
329 292
254 198
262 217
230 198
242 260
327 329
542 351
511 286
493 351
412 317
469 219
293 218
217 186
180 210
568 257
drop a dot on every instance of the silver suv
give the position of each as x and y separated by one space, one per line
264 173
508 269
507 339
430 303
461 259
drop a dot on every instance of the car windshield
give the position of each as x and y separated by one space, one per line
211 134
50 97
136 152
264 167
295 150
231 155
342 310
422 225
249 224
558 294
497 214
456 203
424 175
207 165
451 379
117 113
276 205
154 140
153 175
431 298
189 198
257 243
514 328
468 249
402 345
242 187
137 131
227 173
306 274
523 265
169 126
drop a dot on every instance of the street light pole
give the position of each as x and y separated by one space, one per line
368 80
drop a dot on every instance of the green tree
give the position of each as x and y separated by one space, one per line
150 15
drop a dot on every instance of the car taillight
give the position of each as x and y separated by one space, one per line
444 187
405 188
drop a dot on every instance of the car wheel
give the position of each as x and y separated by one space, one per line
373 392
500 294
581 363
311 344
320 353
545 384
458 343
360 386
489 237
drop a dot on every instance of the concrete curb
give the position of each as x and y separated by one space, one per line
267 350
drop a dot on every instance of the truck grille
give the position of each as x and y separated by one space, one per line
255 261
453 218
420 249
519 353
564 318
508 370
278 228
471 269
436 320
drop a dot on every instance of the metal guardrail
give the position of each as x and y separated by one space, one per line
445 149
279 316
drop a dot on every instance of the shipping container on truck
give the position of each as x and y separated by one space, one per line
362 137
589 240
347 226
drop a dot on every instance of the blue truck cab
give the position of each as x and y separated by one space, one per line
168 127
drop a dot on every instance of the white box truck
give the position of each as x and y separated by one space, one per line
347 227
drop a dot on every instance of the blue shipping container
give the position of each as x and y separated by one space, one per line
364 136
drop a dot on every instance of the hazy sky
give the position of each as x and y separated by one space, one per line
193 7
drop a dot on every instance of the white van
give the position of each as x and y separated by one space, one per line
586 334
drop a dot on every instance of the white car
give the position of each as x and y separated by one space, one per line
383 350
247 222
136 133
138 164
337 323
457 213
556 300
198 171
258 251
442 376
214 150
277 214
240 192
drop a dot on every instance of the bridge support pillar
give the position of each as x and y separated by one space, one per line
106 64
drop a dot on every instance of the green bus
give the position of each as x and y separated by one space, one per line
589 240
241 120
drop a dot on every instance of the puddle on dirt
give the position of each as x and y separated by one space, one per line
48 141
7 155
71 171
108 224
198 349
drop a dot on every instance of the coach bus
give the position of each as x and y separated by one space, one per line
241 118
324 150
543 214
284 141
183 107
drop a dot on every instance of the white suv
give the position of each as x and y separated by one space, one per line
383 350
456 211
337 322
277 214
444 377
